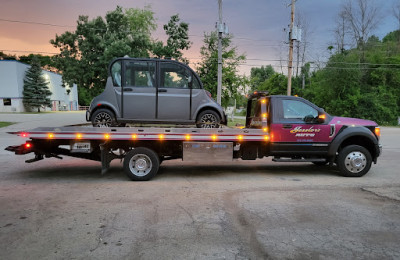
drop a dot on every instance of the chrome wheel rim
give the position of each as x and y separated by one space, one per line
140 165
208 121
103 119
355 162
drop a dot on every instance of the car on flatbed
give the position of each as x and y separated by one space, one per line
154 91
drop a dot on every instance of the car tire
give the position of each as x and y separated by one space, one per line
141 164
103 118
354 161
208 119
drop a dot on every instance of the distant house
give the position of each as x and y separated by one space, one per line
12 74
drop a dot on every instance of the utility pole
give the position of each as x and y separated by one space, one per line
220 31
290 65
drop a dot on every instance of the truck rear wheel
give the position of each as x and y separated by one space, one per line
141 164
354 161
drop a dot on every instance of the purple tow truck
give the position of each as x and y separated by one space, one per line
290 129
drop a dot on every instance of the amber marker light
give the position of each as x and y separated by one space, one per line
134 137
50 135
107 136
187 137
266 138
240 137
161 137
265 129
214 137
263 101
322 116
378 131
78 136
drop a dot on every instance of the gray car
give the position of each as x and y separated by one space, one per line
154 91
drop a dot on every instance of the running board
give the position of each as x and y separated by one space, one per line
298 160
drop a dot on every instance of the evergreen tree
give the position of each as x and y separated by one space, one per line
36 92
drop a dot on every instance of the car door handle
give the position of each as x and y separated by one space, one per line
128 89
162 90
287 126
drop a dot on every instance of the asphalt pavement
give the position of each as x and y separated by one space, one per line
64 209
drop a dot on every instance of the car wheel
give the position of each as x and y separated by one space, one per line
354 161
141 164
103 118
208 119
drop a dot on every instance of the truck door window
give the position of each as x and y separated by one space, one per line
140 74
294 109
174 76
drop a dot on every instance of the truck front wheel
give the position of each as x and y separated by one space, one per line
354 161
141 164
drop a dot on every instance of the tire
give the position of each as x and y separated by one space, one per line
103 118
141 164
208 119
354 161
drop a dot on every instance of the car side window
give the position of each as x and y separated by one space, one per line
116 73
174 76
140 74
195 83
294 109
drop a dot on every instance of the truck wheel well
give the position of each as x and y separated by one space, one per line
361 141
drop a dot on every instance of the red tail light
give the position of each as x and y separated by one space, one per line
28 145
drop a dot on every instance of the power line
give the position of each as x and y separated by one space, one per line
36 23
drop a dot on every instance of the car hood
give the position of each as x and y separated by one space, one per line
352 121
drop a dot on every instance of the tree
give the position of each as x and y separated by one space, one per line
208 68
4 56
46 62
178 39
275 85
368 90
259 75
86 52
362 18
36 92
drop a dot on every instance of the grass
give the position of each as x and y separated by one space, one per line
4 124
232 123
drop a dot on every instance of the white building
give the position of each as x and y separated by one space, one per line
12 74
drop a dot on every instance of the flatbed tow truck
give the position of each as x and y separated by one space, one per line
291 129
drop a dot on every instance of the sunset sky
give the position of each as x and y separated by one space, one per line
257 25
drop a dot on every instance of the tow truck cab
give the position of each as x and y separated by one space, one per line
301 131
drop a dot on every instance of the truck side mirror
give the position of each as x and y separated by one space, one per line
308 119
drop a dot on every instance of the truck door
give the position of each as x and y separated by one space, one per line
139 90
174 92
290 133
